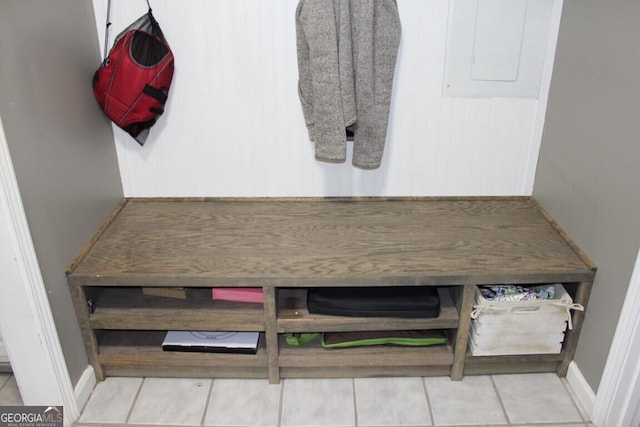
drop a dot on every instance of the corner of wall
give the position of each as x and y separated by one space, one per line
543 98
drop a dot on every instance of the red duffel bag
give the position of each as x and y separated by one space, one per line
132 83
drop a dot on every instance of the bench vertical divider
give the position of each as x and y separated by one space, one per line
571 336
88 335
271 333
462 335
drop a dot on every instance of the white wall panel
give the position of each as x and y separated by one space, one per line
233 124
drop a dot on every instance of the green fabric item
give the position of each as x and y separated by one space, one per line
300 339
406 338
365 338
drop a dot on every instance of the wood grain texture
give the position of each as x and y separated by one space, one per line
80 298
570 345
173 371
513 359
96 236
271 333
144 348
510 368
313 355
364 371
293 316
129 308
365 242
286 245
587 261
462 332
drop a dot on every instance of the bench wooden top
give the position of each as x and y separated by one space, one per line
328 242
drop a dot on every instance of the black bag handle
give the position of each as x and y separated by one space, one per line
106 31
108 24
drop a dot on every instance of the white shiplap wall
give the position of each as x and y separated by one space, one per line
234 127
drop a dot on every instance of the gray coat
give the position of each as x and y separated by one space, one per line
347 52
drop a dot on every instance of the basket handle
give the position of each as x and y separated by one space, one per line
524 310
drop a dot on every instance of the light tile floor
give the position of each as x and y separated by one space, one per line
9 393
523 400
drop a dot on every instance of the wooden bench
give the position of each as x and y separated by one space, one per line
286 246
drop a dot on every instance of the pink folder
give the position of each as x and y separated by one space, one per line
238 294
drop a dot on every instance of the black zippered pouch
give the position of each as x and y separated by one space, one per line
385 301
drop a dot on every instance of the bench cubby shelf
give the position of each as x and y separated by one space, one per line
286 246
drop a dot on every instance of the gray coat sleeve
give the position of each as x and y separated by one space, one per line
319 87
347 52
376 32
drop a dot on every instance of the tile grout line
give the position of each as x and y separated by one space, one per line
281 408
502 406
12 389
93 390
355 401
281 403
207 402
6 380
135 401
426 395
574 400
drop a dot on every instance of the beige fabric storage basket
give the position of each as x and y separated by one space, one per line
520 327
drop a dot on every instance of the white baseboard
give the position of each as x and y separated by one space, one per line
581 389
85 386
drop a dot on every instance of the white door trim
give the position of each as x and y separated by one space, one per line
34 346
618 396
